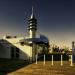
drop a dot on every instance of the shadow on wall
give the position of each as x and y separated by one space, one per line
9 65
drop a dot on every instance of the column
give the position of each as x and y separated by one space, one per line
44 59
73 49
71 60
33 52
52 60
61 60
36 58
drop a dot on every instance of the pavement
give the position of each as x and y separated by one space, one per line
46 69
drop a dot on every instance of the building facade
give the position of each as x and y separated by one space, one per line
13 47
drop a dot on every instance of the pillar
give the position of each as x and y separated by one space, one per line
34 52
71 60
36 58
44 59
73 48
52 60
61 60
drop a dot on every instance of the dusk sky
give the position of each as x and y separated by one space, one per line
56 19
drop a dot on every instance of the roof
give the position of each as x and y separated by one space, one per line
41 40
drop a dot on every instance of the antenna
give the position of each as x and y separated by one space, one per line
32 15
32 10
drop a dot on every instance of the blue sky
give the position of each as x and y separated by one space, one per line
56 18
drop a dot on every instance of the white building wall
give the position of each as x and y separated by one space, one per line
25 50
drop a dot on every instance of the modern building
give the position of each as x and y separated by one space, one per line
13 47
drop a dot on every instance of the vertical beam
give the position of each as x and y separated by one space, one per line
33 51
61 60
52 60
36 58
31 55
44 59
73 48
71 60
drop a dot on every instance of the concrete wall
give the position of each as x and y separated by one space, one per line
4 52
25 51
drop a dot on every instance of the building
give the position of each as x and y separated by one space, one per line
13 47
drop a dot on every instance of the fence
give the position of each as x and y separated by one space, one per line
52 60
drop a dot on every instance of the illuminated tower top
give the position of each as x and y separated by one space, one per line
32 25
32 15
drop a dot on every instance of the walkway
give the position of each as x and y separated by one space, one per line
47 69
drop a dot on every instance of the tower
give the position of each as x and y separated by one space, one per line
32 27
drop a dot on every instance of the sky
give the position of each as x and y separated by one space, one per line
55 19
